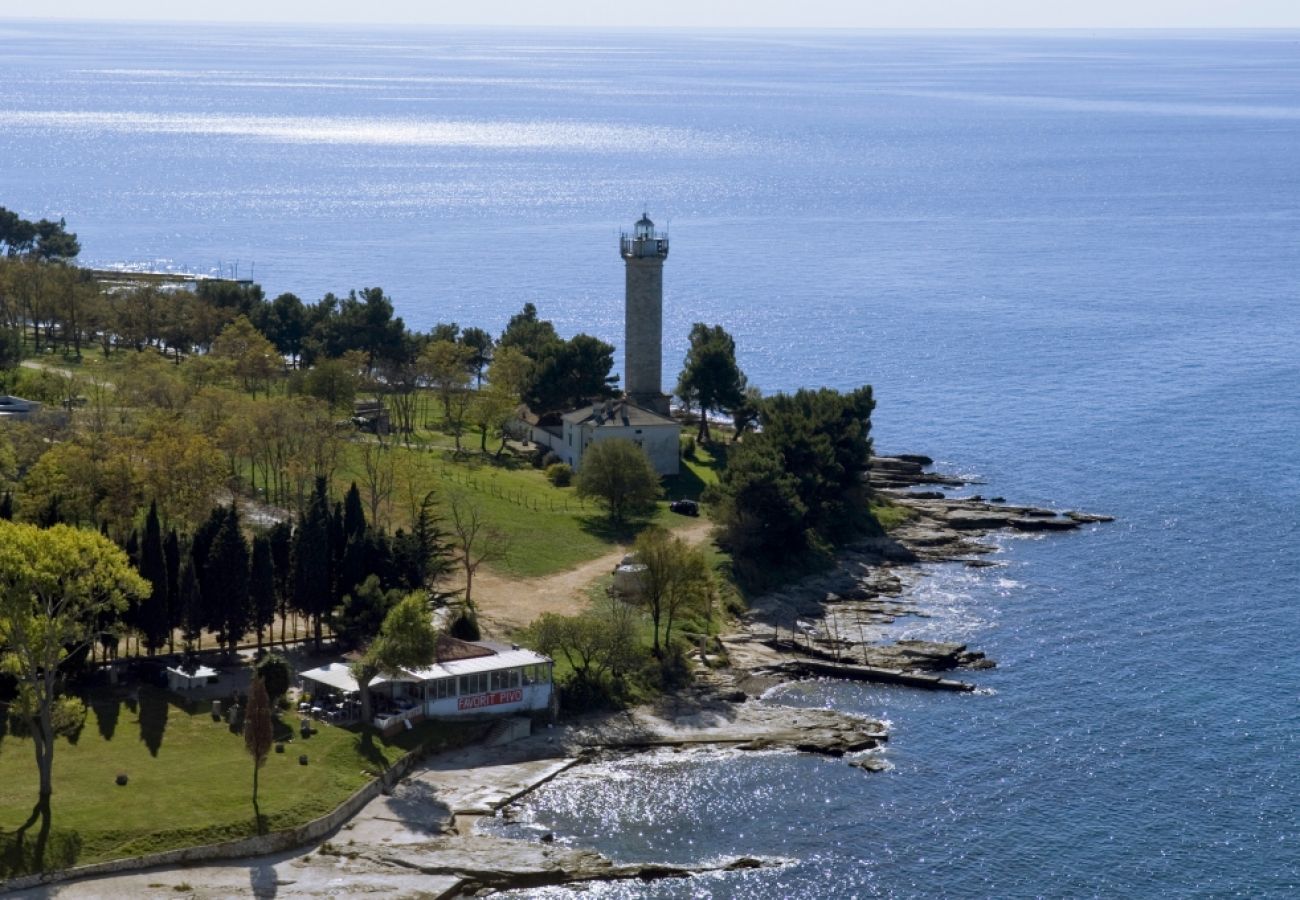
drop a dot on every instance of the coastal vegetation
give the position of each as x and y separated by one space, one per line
252 471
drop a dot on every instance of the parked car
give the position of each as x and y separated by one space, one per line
685 507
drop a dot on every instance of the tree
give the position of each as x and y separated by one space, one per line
252 357
284 322
276 675
569 373
11 350
313 561
261 587
710 376
744 415
492 413
675 581
378 469
598 641
225 586
357 620
510 372
172 561
334 381
55 585
480 344
423 556
153 567
798 484
618 474
259 734
363 322
473 541
191 607
407 640
527 333
445 365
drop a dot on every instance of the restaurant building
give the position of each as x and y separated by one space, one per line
467 678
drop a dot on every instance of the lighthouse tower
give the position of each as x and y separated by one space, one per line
644 251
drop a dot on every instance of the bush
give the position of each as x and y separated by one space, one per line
559 474
688 447
550 458
465 626
583 695
276 674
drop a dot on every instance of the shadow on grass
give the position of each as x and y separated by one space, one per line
367 748
106 715
153 718
613 532
23 853
689 484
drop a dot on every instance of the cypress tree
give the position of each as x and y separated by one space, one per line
153 566
281 540
261 587
172 558
131 616
190 606
225 588
354 515
7 506
313 561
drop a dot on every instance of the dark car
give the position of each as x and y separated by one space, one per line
685 507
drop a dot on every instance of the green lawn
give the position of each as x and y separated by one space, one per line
190 780
546 529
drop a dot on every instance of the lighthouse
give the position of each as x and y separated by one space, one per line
644 252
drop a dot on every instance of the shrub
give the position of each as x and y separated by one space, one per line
688 447
465 626
276 674
559 474
550 458
121 778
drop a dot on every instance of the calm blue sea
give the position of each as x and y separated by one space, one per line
1068 263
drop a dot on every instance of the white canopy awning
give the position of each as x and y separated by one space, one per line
200 673
336 675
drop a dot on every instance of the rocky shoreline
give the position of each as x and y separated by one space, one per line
423 839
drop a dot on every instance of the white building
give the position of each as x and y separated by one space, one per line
469 678
659 436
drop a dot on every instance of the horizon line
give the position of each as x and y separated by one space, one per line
573 26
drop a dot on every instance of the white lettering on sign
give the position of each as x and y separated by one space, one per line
495 698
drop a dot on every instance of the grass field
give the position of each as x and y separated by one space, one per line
545 529
189 780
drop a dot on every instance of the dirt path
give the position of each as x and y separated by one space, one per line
505 604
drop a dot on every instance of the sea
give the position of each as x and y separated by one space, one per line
1068 263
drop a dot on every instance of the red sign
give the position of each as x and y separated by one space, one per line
478 701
